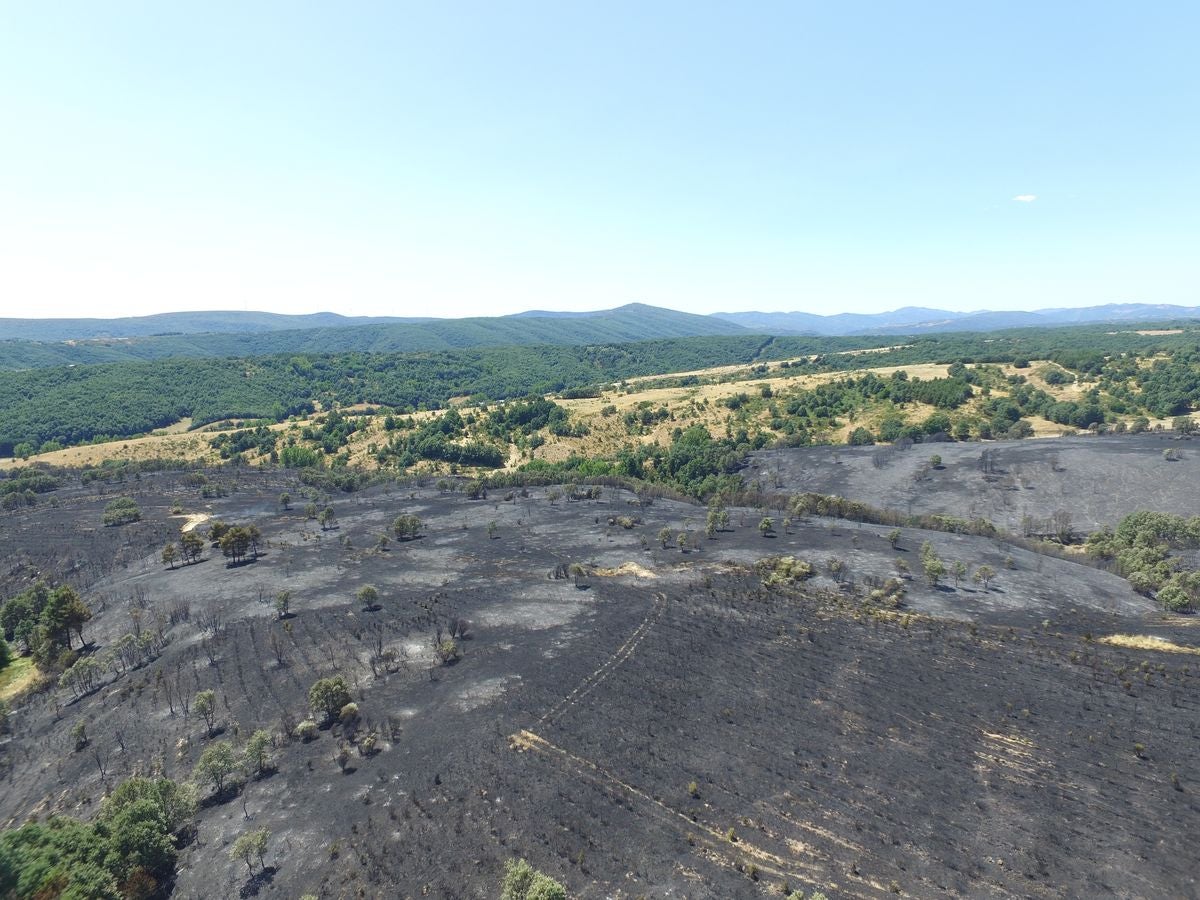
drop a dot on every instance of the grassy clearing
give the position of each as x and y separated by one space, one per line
17 676
1147 642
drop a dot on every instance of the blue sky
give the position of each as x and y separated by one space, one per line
484 158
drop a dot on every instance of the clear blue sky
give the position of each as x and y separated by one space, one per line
476 158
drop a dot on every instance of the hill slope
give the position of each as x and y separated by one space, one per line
917 320
635 322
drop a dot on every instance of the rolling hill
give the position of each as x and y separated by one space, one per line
634 322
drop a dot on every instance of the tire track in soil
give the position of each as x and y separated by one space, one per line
715 845
606 668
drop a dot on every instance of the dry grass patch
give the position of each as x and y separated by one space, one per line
628 568
17 676
1147 642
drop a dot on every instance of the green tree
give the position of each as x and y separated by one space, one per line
310 510
283 603
766 527
406 527
65 612
249 845
328 695
257 755
5 653
285 500
204 704
191 545
894 536
216 764
169 555
327 518
983 575
368 596
959 571
933 567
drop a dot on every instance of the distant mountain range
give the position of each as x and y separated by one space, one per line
918 320
270 334
228 321
27 343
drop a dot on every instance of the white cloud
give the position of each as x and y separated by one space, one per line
1025 198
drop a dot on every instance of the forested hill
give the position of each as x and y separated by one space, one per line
71 405
174 323
635 322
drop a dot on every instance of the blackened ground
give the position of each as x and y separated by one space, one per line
1095 479
974 743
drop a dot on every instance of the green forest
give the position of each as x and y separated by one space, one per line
43 408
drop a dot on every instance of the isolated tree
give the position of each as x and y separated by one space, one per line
79 735
310 510
983 575
191 545
205 706
169 555
257 755
368 596
327 518
285 500
406 527
933 567
251 845
492 528
328 695
216 764
959 571
283 603
893 537
766 527
664 537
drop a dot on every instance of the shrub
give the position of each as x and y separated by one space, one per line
306 730
523 882
783 570
121 511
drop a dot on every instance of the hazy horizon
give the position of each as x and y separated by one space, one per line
352 315
408 160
